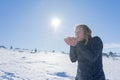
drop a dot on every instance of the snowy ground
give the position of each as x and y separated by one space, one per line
16 65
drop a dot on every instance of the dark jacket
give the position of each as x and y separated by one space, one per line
89 59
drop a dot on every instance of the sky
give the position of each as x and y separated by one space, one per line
27 23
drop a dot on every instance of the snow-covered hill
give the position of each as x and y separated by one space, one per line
16 65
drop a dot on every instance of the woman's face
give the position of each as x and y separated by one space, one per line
79 34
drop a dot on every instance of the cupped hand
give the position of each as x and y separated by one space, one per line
71 41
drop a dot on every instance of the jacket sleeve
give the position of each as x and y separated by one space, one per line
93 53
73 55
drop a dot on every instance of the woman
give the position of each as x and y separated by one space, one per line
87 50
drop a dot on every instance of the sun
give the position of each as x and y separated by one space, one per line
55 22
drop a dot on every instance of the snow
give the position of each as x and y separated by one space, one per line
15 65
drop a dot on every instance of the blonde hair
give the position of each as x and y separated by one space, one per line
87 31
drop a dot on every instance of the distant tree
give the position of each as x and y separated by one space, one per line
17 48
63 52
3 47
35 50
105 54
11 47
111 53
53 51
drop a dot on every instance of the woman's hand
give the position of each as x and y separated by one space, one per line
71 41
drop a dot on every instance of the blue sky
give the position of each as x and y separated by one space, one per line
27 23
